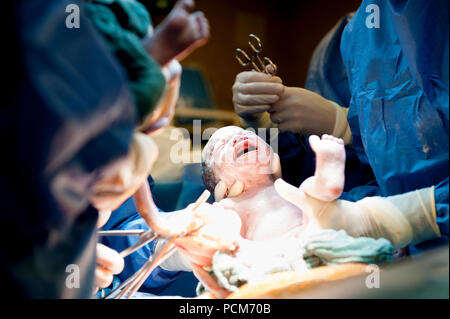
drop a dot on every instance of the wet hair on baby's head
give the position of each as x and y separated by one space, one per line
208 177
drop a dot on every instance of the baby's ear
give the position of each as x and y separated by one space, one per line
276 167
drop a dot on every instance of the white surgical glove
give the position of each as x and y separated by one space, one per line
291 109
109 263
307 113
254 93
220 230
404 219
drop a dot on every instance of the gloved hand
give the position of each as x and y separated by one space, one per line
121 179
404 219
293 109
109 263
305 112
254 92
222 190
220 230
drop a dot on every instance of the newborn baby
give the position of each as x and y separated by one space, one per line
236 154
259 226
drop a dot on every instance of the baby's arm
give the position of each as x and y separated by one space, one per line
328 180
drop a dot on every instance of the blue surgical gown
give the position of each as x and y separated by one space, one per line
399 106
327 76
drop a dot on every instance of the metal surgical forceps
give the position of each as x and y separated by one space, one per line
255 60
132 284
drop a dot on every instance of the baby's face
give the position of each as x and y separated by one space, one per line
237 154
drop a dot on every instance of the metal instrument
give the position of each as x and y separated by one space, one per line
130 286
264 65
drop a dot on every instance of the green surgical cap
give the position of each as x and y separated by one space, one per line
124 23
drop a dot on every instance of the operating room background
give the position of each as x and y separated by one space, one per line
289 30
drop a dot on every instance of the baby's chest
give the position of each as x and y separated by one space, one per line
272 221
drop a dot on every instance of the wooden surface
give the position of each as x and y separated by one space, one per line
425 275
288 284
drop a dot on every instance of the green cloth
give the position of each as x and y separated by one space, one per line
123 24
328 247
323 247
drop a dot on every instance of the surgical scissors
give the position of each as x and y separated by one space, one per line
132 284
258 65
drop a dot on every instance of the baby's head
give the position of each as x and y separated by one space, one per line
233 153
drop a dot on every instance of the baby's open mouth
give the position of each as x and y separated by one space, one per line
246 150
244 147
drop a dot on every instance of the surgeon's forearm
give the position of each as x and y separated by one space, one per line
404 219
